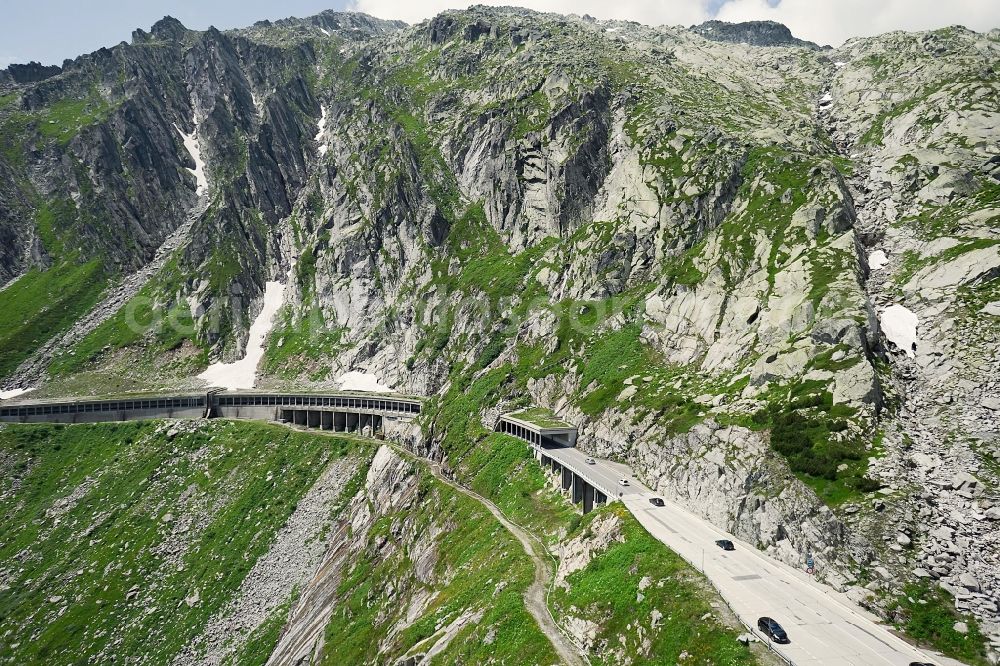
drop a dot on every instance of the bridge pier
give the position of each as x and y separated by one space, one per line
337 421
546 442
588 498
576 491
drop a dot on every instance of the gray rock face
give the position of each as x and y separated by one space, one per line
243 100
756 33
31 72
934 459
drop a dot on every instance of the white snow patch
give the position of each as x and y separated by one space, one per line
900 327
838 64
194 148
13 393
242 374
325 32
826 99
877 260
362 381
322 128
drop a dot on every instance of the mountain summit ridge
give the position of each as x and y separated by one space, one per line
756 33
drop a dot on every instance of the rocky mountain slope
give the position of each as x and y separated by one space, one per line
709 255
235 543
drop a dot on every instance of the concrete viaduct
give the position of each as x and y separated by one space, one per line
338 412
554 449
552 444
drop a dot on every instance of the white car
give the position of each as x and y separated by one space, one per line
623 482
590 461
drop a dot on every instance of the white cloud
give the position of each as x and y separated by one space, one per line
823 21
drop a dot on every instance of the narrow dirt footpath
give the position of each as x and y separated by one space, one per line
535 595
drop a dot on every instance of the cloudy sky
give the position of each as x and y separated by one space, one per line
51 30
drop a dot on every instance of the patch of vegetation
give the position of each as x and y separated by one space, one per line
65 118
912 262
301 343
682 270
533 115
819 441
826 266
262 641
619 355
479 567
60 122
487 266
775 185
477 264
13 131
88 511
54 221
502 469
824 360
541 417
609 591
144 321
928 615
457 414
42 304
934 221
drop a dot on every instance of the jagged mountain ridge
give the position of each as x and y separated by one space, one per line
653 233
757 33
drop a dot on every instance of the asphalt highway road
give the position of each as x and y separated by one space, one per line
824 627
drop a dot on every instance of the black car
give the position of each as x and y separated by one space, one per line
657 501
725 544
921 663
772 630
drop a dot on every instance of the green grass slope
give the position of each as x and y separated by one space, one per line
109 529
91 564
650 606
609 594
42 304
470 600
